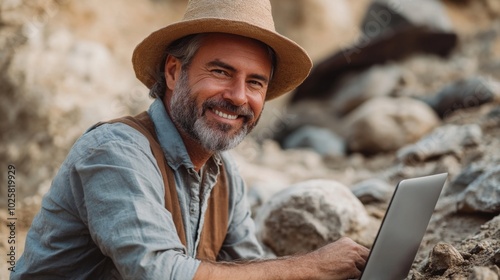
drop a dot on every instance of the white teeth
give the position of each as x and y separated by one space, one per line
224 115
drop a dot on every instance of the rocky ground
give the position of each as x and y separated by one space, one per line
412 115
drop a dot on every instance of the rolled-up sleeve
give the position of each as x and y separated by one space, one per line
122 203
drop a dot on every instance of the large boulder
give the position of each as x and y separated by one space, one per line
310 214
386 124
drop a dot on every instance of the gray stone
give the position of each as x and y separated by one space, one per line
463 94
465 178
310 214
492 119
373 190
321 140
483 194
355 89
448 139
386 124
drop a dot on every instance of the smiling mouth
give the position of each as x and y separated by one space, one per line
224 115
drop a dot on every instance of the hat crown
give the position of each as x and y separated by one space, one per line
254 12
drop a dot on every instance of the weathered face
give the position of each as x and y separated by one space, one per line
220 97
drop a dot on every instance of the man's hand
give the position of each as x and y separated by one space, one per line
343 259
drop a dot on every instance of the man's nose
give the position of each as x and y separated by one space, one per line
236 92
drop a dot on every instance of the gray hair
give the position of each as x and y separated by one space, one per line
184 50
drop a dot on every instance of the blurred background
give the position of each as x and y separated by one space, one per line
400 88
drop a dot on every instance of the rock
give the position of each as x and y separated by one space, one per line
493 8
373 190
463 94
496 257
64 69
260 192
384 27
492 119
483 194
448 139
481 247
428 13
442 257
477 250
387 124
310 214
48 103
323 141
483 273
465 178
311 23
355 89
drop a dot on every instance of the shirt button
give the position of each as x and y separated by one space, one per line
192 210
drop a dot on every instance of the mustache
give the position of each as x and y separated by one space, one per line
242 111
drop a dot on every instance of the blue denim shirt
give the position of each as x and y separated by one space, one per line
104 215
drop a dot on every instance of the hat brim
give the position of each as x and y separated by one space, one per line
292 62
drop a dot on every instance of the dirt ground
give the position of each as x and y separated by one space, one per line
466 232
463 231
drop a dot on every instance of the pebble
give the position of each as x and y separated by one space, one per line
442 257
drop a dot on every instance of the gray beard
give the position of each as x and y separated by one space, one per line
212 136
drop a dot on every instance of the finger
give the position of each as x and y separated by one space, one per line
360 264
363 257
356 274
364 252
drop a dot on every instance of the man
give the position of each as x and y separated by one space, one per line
154 196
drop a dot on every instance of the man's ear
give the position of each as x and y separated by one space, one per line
172 71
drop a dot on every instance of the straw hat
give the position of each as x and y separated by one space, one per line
249 18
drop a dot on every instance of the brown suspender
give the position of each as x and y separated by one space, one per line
216 217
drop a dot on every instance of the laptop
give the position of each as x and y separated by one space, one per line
403 228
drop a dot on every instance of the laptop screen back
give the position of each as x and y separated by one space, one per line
403 228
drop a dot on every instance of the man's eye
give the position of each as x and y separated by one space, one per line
219 72
256 84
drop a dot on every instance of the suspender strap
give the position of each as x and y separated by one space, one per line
216 217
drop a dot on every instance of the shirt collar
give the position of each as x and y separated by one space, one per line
170 140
